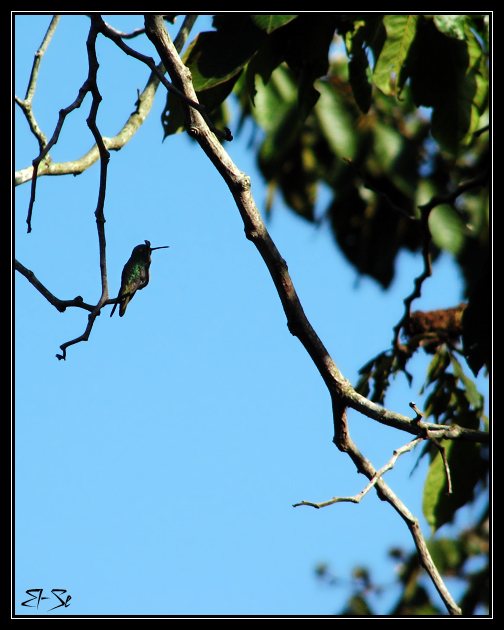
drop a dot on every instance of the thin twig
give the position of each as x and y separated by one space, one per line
149 61
357 498
141 31
425 211
92 84
61 119
135 120
26 104
432 435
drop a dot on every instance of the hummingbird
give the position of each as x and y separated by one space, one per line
135 275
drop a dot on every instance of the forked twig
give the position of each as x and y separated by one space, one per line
357 498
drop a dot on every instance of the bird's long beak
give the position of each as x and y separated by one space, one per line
162 247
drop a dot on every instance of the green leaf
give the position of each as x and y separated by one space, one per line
286 155
447 229
437 367
439 399
451 25
270 23
214 57
401 31
357 606
447 554
472 395
366 33
464 463
477 324
173 118
307 41
303 43
449 75
274 102
336 122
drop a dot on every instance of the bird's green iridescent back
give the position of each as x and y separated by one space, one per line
135 274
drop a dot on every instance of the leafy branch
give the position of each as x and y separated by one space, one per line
341 392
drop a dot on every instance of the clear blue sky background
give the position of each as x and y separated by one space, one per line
157 466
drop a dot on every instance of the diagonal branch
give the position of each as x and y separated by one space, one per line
342 393
255 230
344 442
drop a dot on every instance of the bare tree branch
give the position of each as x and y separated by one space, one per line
140 31
92 86
26 104
116 143
61 305
100 150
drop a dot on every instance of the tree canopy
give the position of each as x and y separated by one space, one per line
385 118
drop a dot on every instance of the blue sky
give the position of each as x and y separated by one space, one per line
157 466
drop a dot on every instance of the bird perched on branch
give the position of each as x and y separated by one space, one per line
135 275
